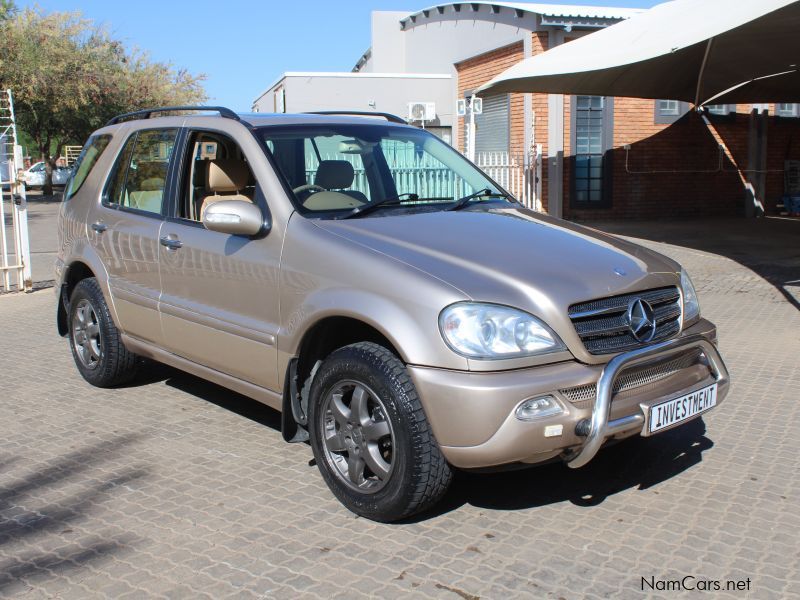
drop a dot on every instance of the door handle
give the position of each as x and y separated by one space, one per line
170 243
99 227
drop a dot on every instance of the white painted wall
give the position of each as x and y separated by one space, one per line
434 44
388 44
378 92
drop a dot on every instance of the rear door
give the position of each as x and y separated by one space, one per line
219 302
125 229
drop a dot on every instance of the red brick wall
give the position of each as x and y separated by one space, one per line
682 151
477 70
696 186
783 143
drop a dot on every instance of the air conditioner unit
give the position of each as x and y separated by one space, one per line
421 111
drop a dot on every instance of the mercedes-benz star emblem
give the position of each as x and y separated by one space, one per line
641 320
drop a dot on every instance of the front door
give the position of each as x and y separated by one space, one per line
219 302
125 229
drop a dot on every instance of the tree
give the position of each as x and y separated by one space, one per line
69 77
7 9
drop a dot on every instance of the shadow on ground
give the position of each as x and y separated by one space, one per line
639 463
635 463
205 390
35 511
770 246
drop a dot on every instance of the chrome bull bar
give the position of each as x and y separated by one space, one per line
600 427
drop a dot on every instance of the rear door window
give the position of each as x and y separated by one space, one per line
140 174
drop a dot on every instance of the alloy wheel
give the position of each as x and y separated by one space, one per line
86 337
358 436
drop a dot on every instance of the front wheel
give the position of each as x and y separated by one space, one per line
370 437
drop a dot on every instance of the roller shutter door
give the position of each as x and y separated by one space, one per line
493 125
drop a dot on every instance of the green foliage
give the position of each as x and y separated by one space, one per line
69 76
7 9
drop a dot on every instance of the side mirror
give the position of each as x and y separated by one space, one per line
236 217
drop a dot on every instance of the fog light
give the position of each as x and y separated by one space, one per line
538 408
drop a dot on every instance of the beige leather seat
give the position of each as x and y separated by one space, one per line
149 196
225 179
335 176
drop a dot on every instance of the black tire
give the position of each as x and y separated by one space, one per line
419 474
107 362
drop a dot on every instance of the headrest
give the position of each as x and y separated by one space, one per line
152 184
227 175
334 174
200 173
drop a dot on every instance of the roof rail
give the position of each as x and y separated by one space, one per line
361 113
148 112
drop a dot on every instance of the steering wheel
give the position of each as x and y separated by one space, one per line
308 187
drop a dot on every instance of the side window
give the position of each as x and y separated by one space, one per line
140 174
214 169
87 159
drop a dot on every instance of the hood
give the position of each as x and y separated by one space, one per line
512 256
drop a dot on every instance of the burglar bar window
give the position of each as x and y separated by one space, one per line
588 171
787 110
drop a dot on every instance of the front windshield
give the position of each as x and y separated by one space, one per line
335 169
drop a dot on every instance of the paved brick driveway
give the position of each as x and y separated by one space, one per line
177 488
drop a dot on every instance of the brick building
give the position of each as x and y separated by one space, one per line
600 158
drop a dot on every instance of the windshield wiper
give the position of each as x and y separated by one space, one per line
484 193
391 201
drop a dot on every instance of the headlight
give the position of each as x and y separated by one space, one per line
691 306
491 331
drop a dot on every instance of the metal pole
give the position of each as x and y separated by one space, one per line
471 147
702 72
4 250
20 211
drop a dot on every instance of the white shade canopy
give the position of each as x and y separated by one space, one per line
699 51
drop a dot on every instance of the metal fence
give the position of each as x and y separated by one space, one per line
424 175
519 174
15 266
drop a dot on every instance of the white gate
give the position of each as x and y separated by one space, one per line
519 174
15 255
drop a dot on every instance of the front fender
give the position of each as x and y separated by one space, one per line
416 336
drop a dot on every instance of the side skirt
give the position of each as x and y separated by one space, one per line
263 395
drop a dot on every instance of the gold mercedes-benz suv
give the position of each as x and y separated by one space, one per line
401 309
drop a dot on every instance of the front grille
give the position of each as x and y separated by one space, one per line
603 325
637 377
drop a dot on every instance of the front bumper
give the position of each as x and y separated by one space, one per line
472 414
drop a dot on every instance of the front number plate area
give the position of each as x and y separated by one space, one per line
672 412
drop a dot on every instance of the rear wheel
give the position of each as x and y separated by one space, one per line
95 341
370 437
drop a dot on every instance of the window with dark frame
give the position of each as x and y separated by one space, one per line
787 110
590 145
669 108
669 111
721 110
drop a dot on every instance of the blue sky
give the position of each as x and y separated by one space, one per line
244 46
